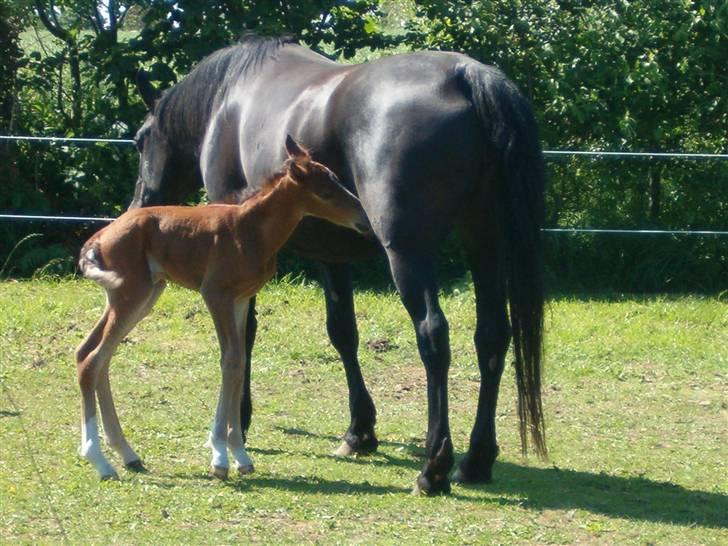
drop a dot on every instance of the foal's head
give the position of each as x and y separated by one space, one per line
325 197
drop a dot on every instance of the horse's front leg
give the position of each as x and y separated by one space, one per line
246 406
342 329
415 281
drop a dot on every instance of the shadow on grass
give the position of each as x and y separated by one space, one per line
621 497
635 498
312 485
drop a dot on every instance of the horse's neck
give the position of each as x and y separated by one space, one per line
274 214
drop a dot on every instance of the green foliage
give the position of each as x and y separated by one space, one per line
638 76
74 73
635 75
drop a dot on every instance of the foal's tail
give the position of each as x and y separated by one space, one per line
91 265
513 142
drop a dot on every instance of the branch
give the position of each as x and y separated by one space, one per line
112 15
99 19
52 26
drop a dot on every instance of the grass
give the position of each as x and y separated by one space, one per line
636 414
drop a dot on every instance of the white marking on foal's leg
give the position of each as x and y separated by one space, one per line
90 449
219 463
124 450
243 462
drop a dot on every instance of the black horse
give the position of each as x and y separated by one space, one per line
431 142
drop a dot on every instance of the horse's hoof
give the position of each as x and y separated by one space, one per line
431 487
476 469
246 469
461 477
135 466
219 472
344 450
365 443
355 445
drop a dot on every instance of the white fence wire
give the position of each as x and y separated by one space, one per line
546 153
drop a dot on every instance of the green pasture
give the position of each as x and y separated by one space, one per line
636 411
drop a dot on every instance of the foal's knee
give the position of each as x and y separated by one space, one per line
232 365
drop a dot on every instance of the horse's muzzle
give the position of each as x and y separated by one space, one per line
363 226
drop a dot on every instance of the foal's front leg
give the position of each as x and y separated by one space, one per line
235 439
229 319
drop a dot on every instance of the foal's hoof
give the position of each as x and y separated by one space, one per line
135 466
439 485
112 476
246 469
219 472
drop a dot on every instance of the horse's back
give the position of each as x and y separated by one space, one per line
400 131
412 141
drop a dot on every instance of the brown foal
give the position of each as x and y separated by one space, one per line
227 253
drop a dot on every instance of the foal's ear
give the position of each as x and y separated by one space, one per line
295 170
294 149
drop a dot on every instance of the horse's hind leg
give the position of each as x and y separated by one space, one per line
341 326
492 336
415 281
112 428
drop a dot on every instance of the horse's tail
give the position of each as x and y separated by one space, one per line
513 142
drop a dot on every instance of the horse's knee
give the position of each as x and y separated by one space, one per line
492 338
433 341
342 333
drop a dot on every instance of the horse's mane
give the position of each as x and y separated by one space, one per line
184 109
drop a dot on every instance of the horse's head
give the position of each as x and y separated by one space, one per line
326 197
167 174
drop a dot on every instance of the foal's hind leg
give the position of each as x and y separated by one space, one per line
492 336
112 428
341 326
121 315
89 359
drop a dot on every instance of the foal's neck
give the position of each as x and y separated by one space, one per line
273 213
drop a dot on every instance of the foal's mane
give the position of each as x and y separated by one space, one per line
184 109
247 193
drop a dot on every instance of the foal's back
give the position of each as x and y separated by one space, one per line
180 244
